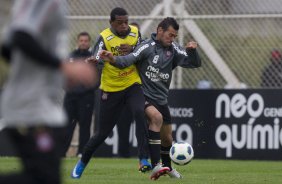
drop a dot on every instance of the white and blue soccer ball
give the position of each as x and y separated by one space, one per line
181 153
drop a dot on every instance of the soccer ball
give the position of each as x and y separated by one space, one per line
181 153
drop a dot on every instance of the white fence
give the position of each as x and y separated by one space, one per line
236 37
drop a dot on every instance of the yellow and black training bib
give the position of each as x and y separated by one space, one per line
114 79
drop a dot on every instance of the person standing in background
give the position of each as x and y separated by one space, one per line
34 46
272 74
79 100
136 25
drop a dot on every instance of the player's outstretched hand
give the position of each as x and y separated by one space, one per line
92 60
80 73
107 56
192 45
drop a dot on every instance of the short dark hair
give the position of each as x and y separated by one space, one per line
118 11
169 21
84 33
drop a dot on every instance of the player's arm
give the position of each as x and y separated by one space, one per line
125 61
188 57
140 39
75 72
118 61
95 59
99 45
30 47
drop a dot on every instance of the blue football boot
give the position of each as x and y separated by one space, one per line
78 170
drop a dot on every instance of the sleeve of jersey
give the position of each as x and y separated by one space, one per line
98 47
187 59
130 59
139 39
28 45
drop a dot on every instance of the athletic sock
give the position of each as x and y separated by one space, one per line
155 147
165 156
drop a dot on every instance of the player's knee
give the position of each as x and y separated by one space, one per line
157 119
139 109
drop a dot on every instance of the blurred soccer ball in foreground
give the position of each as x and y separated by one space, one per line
181 153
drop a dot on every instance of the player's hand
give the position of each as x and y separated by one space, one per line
107 56
192 45
91 59
80 73
125 49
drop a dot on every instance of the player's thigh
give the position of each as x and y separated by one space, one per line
86 108
135 100
110 109
166 135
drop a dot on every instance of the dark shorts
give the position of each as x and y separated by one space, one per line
163 109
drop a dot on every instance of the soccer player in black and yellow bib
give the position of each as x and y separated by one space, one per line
120 88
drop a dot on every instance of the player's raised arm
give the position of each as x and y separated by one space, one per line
187 57
193 56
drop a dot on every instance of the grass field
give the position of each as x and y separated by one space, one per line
124 171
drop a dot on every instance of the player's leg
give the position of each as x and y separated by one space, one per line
86 108
39 153
123 128
70 106
111 105
166 138
135 101
155 120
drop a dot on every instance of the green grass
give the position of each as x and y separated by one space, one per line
124 171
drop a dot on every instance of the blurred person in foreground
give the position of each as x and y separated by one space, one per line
79 100
155 59
34 46
120 88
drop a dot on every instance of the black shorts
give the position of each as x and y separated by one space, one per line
163 109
